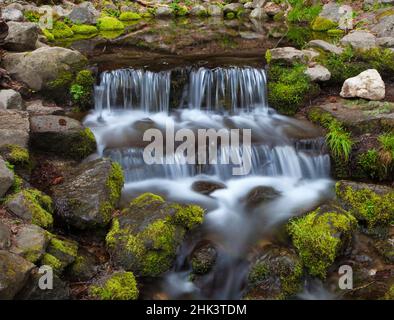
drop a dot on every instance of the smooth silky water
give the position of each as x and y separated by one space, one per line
286 154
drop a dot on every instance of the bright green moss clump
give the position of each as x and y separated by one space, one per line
109 24
84 29
129 16
16 155
323 24
319 238
50 37
50 260
82 88
188 216
61 30
119 286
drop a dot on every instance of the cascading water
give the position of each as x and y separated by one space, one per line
286 155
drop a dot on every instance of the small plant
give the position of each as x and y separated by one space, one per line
32 16
339 140
387 151
301 12
369 163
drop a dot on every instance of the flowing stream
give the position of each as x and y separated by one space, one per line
286 154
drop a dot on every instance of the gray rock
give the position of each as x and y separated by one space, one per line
318 73
41 66
10 99
84 13
6 178
371 3
5 236
163 11
85 266
386 42
249 5
359 39
310 53
198 10
325 46
331 11
80 199
232 7
11 14
258 14
214 10
62 12
258 3
288 54
30 242
14 127
36 108
385 27
14 273
22 36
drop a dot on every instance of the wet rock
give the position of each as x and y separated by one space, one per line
22 36
368 85
272 9
84 267
85 13
261 194
318 73
89 194
207 187
145 236
6 178
275 274
288 55
11 14
14 272
10 99
387 42
62 136
32 291
359 39
385 27
14 127
163 12
325 46
214 10
32 206
30 242
203 258
41 67
5 236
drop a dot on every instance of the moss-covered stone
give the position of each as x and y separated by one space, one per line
129 16
109 24
53 262
84 29
61 30
323 24
119 286
16 155
63 250
319 237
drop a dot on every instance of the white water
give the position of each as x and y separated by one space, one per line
286 155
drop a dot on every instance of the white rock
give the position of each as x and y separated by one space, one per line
11 14
258 14
318 73
328 47
359 39
288 54
367 85
10 99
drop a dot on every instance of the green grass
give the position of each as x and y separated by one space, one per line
339 141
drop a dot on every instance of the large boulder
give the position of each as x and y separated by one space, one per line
6 178
62 136
85 13
22 36
39 68
145 236
359 39
89 194
367 85
14 272
10 99
386 42
14 128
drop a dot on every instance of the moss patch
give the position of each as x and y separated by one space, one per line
61 30
119 286
109 24
129 16
84 29
53 262
323 24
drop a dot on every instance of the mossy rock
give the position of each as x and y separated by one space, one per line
89 194
82 89
323 24
320 236
203 258
129 16
60 30
84 29
118 286
109 24
84 267
144 238
63 250
17 156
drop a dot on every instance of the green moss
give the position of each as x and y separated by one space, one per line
50 37
188 216
50 260
366 205
32 16
268 56
230 15
389 294
387 142
82 88
109 24
82 144
128 16
119 286
63 80
335 32
370 164
318 238
323 24
67 247
258 273
61 30
16 155
302 11
146 199
84 29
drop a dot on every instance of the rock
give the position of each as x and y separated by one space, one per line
258 14
5 236
89 194
60 253
14 272
163 11
325 46
249 5
31 291
276 273
214 10
32 206
331 11
62 136
259 195
14 128
198 11
37 108
386 42
10 99
6 178
258 3
232 7
11 14
84 267
311 54
62 12
359 39
118 286
203 258
37 69
367 85
318 73
85 13
385 27
376 2
272 9
386 249
30 242
207 187
22 36
287 54
144 238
